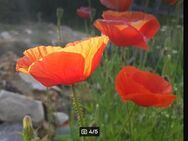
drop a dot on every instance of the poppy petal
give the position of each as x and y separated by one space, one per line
56 65
143 88
157 100
152 82
127 15
171 1
34 54
124 83
145 23
121 34
59 68
84 12
23 64
120 5
39 52
88 49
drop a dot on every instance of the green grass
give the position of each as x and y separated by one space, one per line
120 121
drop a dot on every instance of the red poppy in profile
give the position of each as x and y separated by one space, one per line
171 1
84 12
128 28
56 65
143 88
119 5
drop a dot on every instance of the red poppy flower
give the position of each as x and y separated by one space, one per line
171 1
56 65
119 5
143 88
128 28
84 12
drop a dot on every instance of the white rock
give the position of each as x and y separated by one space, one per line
13 107
28 31
35 84
60 118
5 35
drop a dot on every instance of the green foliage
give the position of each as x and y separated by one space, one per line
28 133
120 121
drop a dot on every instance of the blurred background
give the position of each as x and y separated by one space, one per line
28 23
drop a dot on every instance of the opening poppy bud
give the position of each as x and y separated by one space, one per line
27 122
59 12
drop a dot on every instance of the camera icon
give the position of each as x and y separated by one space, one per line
83 131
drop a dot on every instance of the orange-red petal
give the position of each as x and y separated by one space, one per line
152 82
59 68
143 88
23 64
120 5
145 23
121 33
56 65
171 1
34 54
91 49
148 100
84 12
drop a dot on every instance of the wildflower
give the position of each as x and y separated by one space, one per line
119 5
128 28
143 88
53 65
172 2
28 131
84 12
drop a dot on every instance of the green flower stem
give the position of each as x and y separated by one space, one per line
59 14
91 17
77 108
86 26
128 123
59 30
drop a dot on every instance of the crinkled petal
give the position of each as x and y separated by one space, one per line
143 88
84 12
121 34
145 23
152 82
34 54
59 68
148 100
56 65
89 48
120 5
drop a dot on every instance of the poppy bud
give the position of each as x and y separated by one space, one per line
27 122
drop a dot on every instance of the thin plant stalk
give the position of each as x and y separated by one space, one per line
90 18
59 14
59 30
128 122
77 108
109 51
86 26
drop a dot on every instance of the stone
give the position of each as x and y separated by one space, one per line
62 123
6 35
35 85
13 107
28 31
60 118
9 132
